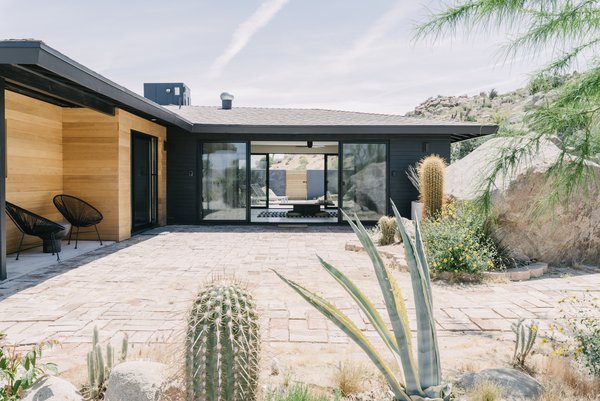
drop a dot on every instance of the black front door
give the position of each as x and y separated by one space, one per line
143 181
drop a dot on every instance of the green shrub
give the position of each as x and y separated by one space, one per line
459 242
296 392
577 332
18 371
493 93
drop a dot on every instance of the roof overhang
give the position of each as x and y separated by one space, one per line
33 68
456 132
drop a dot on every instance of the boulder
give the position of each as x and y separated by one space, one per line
515 384
568 233
365 187
136 381
52 388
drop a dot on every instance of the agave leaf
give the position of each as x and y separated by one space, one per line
394 303
366 306
347 326
429 360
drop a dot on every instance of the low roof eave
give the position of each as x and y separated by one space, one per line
457 132
39 54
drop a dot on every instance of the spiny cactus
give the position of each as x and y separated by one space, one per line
387 227
222 345
99 366
431 174
524 341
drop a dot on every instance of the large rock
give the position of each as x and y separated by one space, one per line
515 384
52 389
136 381
365 186
568 233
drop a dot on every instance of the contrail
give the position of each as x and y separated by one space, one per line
245 31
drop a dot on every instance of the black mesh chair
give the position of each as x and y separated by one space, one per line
32 224
79 213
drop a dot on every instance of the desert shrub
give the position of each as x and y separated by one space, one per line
459 242
348 378
19 371
576 334
485 390
296 392
545 83
493 93
387 230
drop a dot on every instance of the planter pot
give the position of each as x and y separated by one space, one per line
416 210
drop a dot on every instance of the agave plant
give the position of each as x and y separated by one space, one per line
423 377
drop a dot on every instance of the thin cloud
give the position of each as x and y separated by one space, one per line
378 31
244 33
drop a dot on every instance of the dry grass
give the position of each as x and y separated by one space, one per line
485 390
565 383
349 378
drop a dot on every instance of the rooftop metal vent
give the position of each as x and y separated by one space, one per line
226 100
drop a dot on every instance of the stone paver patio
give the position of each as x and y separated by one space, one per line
144 287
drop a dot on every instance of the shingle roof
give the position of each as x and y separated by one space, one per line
260 116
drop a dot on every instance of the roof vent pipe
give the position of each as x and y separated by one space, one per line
226 100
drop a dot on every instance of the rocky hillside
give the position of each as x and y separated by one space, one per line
507 109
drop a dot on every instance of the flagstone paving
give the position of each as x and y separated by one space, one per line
144 287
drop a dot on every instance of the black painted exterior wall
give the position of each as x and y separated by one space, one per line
183 181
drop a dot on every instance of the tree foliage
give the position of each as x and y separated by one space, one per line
570 31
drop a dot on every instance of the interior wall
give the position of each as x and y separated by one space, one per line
34 160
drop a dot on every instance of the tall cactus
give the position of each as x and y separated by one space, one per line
222 345
431 174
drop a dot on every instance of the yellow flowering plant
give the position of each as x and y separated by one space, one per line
576 333
457 241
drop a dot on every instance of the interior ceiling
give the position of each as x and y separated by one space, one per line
292 143
297 147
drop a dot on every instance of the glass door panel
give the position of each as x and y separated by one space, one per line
364 180
259 186
331 180
224 181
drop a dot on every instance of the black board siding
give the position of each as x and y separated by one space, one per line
406 152
182 180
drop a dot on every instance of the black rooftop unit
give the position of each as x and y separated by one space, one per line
169 93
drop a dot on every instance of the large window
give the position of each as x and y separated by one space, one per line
364 180
224 181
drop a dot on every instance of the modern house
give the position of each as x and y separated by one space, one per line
69 130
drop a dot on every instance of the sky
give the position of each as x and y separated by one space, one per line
353 55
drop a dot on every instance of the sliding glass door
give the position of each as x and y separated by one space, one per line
364 180
331 181
224 186
259 180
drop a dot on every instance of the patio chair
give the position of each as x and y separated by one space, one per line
274 198
32 224
258 196
79 213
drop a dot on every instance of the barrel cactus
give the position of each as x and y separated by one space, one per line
388 228
431 174
222 345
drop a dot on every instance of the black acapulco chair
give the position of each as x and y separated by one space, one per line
79 213
30 223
